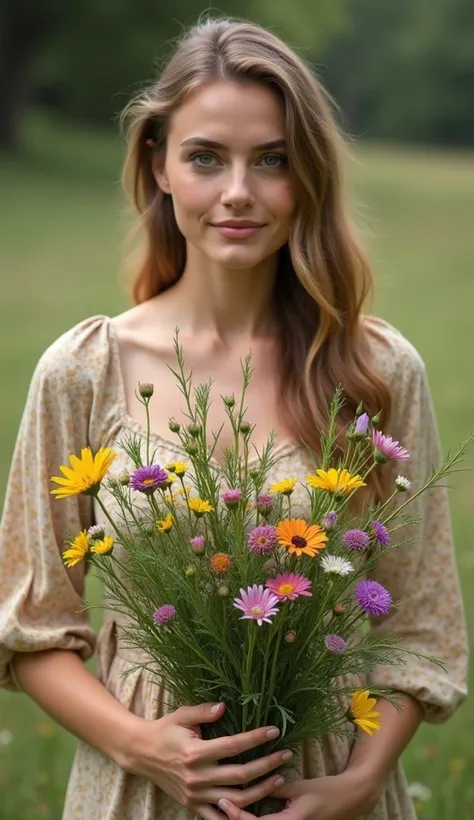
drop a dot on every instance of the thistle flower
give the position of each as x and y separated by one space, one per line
373 598
361 711
165 525
329 520
262 539
103 546
336 565
264 504
301 538
231 498
77 551
284 487
148 479
146 389
163 614
380 533
85 473
288 586
386 449
339 482
334 643
199 507
402 484
257 604
355 540
197 544
220 563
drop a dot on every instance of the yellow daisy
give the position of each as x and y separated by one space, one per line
199 507
77 551
284 487
362 713
103 546
165 525
85 473
335 481
299 537
177 467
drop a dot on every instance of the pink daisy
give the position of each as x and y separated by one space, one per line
386 449
288 586
257 604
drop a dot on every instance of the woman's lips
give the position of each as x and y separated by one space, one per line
237 233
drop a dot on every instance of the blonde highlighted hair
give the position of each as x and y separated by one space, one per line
323 279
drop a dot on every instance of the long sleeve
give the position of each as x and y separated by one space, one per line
422 577
40 600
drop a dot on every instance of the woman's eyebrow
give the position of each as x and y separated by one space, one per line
206 143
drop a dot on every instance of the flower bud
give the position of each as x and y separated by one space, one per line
174 426
191 448
124 479
338 609
198 545
402 484
290 637
376 419
194 430
359 410
245 428
190 571
229 401
145 389
223 591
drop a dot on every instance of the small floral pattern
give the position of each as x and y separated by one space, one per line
76 399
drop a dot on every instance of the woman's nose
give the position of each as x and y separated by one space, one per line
238 191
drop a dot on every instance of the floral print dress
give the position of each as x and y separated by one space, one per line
77 399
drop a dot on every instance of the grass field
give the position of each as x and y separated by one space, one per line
61 243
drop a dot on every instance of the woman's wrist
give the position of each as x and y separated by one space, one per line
365 783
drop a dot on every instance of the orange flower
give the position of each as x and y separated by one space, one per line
220 562
299 537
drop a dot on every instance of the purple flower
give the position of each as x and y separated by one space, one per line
362 425
257 604
355 540
164 613
197 544
373 598
329 520
264 504
380 532
231 498
386 449
334 643
148 479
262 539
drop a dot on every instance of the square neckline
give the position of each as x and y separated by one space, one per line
284 447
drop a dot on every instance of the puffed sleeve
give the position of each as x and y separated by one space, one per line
422 577
40 600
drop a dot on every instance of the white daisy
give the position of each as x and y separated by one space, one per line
419 791
336 565
402 484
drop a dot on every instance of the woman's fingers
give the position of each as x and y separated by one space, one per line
220 748
244 797
234 774
208 813
233 812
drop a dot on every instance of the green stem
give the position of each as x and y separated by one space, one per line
271 687
147 401
248 673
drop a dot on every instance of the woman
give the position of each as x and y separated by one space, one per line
234 166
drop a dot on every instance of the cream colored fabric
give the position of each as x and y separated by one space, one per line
76 399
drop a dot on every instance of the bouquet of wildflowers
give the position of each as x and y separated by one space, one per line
228 593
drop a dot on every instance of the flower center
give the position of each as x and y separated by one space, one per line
148 481
256 611
299 541
262 540
285 589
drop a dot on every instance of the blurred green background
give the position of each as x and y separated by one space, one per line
403 74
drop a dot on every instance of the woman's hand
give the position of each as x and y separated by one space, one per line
171 753
346 796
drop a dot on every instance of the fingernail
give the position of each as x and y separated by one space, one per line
287 755
279 781
223 804
215 708
272 733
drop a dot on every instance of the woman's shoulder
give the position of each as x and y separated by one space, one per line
394 356
78 361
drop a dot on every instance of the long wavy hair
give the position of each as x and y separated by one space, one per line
323 278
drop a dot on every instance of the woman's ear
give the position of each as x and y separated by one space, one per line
160 173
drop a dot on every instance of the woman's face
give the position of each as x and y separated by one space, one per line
226 162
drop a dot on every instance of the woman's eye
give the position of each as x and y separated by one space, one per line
203 159
275 161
